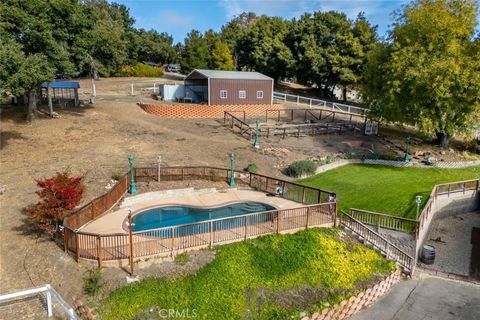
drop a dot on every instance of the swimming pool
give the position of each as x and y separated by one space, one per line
169 216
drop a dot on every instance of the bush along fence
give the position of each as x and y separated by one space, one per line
313 210
354 304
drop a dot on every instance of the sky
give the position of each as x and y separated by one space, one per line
179 17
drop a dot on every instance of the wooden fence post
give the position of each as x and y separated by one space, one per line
99 251
65 243
335 214
308 215
77 247
173 240
130 237
211 233
245 221
278 222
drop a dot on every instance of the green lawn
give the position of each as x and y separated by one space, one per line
271 277
385 189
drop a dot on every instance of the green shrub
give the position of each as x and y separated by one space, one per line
141 70
472 146
381 156
92 282
117 175
182 259
329 158
301 168
252 168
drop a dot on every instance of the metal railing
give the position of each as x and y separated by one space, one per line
428 212
386 221
318 103
51 298
378 242
103 247
167 240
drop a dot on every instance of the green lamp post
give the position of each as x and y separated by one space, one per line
131 189
256 144
232 174
407 157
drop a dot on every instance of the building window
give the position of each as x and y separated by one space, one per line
223 94
242 94
259 94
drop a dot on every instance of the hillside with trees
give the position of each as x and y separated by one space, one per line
427 73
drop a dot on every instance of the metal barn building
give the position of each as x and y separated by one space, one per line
216 87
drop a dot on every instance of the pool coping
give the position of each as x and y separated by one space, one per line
135 212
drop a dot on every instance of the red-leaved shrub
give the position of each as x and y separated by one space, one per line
60 195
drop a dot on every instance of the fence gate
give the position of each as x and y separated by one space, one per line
371 128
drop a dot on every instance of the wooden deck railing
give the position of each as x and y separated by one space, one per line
385 221
98 206
107 247
428 212
103 247
241 124
381 244
312 114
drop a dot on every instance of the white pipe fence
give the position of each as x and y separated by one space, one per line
51 296
311 102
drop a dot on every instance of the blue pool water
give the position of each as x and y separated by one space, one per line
178 215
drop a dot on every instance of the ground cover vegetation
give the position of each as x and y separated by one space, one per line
271 277
385 189
141 70
301 168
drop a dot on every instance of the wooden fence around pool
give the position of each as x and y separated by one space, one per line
314 210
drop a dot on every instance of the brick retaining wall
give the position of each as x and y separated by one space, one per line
347 308
195 111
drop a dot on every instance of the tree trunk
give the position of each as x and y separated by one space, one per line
50 104
344 93
443 139
32 105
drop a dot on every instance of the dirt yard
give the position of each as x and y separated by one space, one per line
95 141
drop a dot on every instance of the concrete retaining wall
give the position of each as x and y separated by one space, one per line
456 203
347 308
457 164
444 205
390 163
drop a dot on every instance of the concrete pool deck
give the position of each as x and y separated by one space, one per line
112 222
